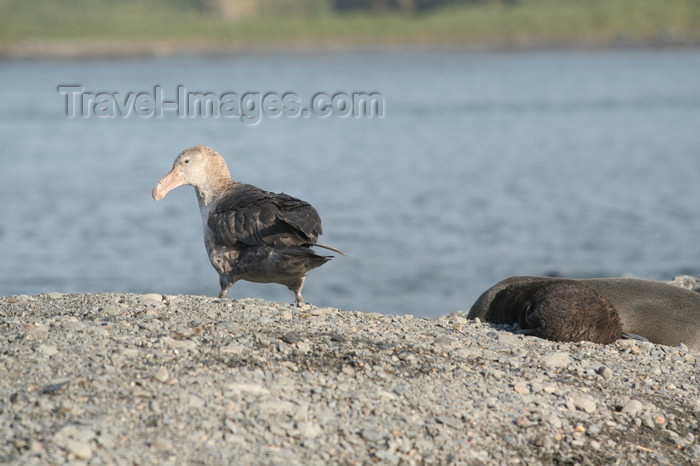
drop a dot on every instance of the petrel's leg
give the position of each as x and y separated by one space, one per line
225 283
297 291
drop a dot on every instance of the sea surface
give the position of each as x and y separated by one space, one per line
482 165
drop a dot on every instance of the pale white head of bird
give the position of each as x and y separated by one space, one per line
199 166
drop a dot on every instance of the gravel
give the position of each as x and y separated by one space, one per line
116 378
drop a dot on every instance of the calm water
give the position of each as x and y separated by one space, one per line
484 166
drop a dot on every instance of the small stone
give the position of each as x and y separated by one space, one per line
38 333
371 435
672 436
54 295
536 386
111 310
160 443
450 421
19 397
319 311
195 402
48 350
54 388
66 407
162 375
553 420
604 372
187 345
387 457
402 389
309 429
521 387
445 342
151 298
79 449
232 349
555 360
695 451
130 352
492 402
585 403
105 440
595 429
36 447
386 395
524 422
507 338
291 338
632 407
247 388
83 434
303 347
277 407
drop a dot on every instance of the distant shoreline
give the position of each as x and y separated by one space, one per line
80 50
102 29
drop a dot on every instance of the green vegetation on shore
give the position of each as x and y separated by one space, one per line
189 24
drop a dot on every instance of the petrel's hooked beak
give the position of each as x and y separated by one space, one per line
166 184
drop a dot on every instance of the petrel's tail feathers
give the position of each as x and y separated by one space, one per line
325 246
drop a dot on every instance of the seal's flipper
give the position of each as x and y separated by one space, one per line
633 336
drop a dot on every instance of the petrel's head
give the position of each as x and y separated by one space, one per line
199 166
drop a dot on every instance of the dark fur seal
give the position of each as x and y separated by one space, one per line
596 309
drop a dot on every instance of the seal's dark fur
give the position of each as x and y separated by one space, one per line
559 311
595 309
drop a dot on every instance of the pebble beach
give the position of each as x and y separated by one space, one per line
117 378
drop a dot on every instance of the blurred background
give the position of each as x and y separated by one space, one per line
517 137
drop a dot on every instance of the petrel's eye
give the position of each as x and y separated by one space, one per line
187 160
